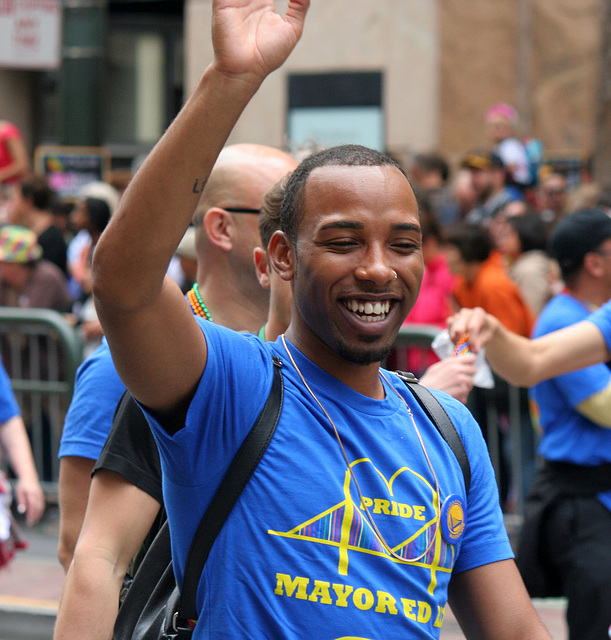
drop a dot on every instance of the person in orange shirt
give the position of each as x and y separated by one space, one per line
484 282
481 279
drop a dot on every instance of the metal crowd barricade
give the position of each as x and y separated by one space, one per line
41 352
504 406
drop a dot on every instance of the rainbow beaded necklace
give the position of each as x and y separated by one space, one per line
197 304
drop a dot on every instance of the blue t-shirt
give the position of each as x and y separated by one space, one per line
602 319
568 436
297 557
97 391
8 405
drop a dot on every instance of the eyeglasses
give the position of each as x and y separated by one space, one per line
241 210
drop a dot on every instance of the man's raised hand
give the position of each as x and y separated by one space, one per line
250 39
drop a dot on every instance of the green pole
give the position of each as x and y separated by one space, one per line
82 72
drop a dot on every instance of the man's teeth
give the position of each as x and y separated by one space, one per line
368 311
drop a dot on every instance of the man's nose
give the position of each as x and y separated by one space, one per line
375 267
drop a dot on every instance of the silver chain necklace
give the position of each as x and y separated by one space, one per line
352 475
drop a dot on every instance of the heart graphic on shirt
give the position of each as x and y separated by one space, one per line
404 508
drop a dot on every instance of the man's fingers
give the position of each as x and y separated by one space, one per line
471 323
296 13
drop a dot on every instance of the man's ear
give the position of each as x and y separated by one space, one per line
592 263
261 266
218 224
281 255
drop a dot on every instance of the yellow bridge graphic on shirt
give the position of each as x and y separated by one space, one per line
346 527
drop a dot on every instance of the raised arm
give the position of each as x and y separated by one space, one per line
157 346
525 362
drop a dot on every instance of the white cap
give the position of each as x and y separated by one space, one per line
101 191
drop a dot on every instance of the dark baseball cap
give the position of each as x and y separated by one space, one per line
579 233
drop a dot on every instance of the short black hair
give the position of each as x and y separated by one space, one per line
531 231
428 223
98 212
472 241
269 216
36 188
433 162
348 155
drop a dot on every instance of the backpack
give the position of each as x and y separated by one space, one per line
153 608
160 612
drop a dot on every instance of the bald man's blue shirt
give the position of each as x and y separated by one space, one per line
97 391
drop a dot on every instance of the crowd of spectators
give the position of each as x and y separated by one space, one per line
486 221
486 229
495 211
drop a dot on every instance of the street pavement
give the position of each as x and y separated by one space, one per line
31 585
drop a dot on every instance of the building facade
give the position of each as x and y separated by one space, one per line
405 75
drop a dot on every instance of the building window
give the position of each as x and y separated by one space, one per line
144 79
140 80
336 108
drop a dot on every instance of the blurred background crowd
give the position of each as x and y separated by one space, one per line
486 220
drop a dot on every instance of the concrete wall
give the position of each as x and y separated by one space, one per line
478 67
397 37
444 63
566 67
543 56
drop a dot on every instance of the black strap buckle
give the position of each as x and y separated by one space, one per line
180 624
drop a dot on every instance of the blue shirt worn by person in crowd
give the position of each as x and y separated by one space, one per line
602 320
97 391
8 405
568 436
297 552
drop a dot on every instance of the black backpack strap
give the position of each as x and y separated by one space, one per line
241 469
435 411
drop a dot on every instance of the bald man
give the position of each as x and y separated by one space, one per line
226 222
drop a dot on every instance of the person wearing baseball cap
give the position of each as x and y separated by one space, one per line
26 280
568 514
488 177
577 235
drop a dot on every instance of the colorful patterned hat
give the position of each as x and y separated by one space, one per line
18 244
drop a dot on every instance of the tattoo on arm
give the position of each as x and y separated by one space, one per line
198 186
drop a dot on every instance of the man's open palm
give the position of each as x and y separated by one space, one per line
251 39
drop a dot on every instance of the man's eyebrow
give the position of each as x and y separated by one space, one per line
342 224
407 226
350 224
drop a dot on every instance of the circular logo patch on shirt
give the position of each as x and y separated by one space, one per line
452 519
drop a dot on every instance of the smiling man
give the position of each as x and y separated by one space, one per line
357 521
352 249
